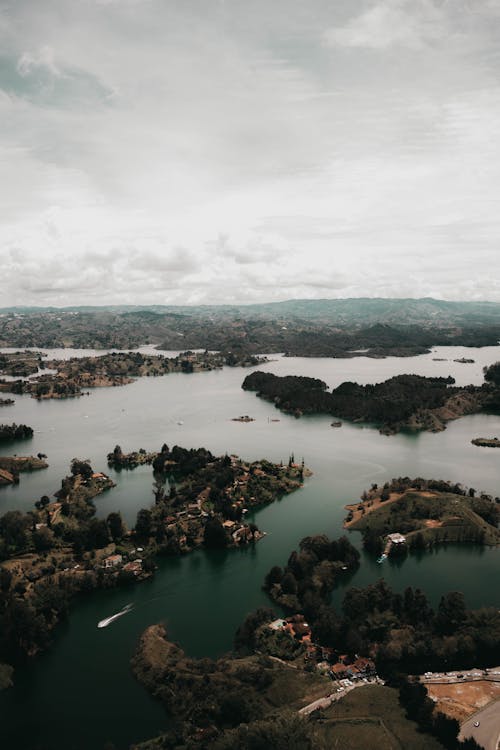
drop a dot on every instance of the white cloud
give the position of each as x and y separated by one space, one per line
45 58
409 24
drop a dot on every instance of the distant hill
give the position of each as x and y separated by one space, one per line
341 312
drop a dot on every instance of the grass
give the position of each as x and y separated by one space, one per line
439 517
371 717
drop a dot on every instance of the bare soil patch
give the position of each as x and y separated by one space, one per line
460 700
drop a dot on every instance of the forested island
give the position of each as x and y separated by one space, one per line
402 402
9 432
70 377
415 514
486 442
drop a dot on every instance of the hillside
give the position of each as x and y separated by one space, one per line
426 513
320 328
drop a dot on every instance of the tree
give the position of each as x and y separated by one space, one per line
97 534
244 640
81 467
289 583
492 374
115 526
144 523
451 612
214 535
274 576
43 539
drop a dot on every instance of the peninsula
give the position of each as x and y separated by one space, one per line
11 466
418 513
61 548
403 402
285 672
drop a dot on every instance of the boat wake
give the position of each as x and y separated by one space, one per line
108 620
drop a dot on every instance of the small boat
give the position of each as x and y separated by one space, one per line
336 424
180 422
382 558
108 620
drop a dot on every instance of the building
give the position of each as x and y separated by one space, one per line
396 538
112 561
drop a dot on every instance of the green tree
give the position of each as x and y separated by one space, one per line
214 535
115 526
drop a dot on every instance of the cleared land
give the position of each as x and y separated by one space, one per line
435 516
371 717
461 700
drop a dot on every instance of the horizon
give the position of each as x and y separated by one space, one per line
250 304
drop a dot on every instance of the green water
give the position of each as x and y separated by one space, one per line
81 694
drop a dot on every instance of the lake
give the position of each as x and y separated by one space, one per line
81 693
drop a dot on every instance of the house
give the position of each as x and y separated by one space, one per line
277 624
135 567
112 561
396 538
338 671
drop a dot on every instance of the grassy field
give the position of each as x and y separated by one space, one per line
371 718
438 517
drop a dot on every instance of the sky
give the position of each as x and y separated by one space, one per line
219 151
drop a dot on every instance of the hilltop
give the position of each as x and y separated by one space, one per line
329 327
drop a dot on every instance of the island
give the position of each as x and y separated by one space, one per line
418 513
486 442
410 402
10 432
7 402
70 377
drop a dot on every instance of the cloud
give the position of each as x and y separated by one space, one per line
165 151
411 24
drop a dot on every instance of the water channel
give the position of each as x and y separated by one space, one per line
80 693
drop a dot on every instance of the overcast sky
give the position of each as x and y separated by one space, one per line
186 151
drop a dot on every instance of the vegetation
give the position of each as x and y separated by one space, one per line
373 717
231 701
9 432
11 466
311 573
201 499
114 369
298 327
47 556
427 512
404 401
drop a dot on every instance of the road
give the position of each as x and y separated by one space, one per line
487 733
326 701
336 696
466 675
